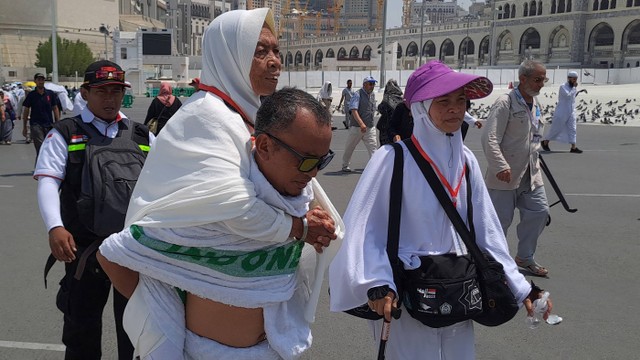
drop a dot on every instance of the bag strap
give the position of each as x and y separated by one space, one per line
90 129
395 206
468 236
162 111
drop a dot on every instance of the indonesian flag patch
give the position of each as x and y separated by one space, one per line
79 139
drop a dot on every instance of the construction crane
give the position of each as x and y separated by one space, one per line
302 15
380 13
284 11
406 12
318 23
336 9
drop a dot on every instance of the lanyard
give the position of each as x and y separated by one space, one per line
453 192
533 118
230 103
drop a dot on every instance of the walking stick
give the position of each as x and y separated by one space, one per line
384 335
556 188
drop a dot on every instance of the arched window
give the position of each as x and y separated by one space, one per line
532 8
298 58
604 5
330 53
596 5
289 59
525 12
446 49
569 5
342 53
412 49
629 3
317 58
429 49
507 12
513 10
540 7
354 53
612 5
553 6
366 52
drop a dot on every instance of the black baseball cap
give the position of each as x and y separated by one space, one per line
104 72
39 75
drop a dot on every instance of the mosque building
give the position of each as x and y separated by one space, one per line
346 34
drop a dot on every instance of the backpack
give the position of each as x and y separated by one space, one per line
10 112
109 174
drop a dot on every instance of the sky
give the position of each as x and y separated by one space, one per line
394 11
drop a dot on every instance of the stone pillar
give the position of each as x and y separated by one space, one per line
579 46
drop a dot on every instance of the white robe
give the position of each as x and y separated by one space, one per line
198 171
563 126
362 263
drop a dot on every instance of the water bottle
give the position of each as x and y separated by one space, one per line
539 308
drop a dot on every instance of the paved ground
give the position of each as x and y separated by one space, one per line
592 257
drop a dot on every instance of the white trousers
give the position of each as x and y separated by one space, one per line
409 339
369 138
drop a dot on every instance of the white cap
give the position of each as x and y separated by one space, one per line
572 74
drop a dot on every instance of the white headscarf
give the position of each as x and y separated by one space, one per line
197 171
228 47
445 151
325 91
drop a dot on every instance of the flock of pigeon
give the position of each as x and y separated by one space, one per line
610 113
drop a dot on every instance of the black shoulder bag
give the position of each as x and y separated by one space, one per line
393 234
498 303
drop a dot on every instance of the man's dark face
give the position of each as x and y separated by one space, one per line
39 82
349 83
104 101
572 81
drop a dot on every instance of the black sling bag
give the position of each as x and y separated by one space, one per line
498 303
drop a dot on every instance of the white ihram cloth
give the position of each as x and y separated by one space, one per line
425 229
197 173
198 170
281 297
325 91
563 125
63 96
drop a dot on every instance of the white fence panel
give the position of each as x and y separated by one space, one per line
312 80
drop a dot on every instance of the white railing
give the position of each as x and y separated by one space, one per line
313 80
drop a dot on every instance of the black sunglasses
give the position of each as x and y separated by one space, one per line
307 163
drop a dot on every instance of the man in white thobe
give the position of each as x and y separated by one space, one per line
563 126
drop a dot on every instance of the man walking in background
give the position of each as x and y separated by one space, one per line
41 110
361 128
511 141
563 125
347 93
